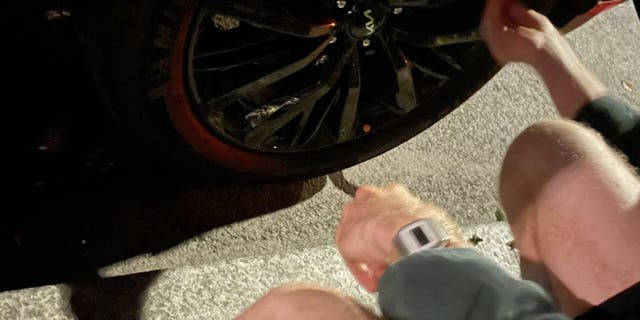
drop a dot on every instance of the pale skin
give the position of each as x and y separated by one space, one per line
573 203
515 34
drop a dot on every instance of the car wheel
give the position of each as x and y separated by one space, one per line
278 89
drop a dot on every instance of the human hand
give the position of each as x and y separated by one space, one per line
514 33
370 222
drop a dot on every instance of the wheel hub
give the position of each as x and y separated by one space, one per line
366 20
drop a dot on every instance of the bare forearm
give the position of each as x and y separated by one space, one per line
570 84
514 33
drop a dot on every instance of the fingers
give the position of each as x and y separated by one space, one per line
366 275
492 14
526 17
364 236
396 187
532 35
494 24
501 16
365 191
492 19
513 32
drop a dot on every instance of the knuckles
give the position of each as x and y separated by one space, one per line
365 192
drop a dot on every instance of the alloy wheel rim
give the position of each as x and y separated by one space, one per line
265 79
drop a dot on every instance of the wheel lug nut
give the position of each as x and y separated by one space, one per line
366 43
57 14
341 4
397 10
322 60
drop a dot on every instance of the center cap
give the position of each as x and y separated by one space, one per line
367 21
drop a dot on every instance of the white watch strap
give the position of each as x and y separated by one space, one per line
421 234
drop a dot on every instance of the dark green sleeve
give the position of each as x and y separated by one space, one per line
618 122
458 283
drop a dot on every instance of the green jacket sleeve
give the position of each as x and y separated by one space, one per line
458 283
618 122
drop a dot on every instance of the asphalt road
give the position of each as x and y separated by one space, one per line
217 273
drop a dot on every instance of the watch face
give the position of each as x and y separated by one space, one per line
422 234
419 235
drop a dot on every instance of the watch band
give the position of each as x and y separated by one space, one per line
419 235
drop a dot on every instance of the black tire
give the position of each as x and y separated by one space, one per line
136 49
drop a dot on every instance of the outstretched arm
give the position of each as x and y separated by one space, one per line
514 33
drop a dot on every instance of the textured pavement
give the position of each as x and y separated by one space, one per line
453 164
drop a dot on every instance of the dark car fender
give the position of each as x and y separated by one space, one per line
571 14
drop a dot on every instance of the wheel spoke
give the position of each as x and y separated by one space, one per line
215 105
419 3
239 46
320 123
420 40
406 95
430 72
301 126
447 58
263 18
267 128
258 136
351 103
255 61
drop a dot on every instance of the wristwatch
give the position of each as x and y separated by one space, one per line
422 234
